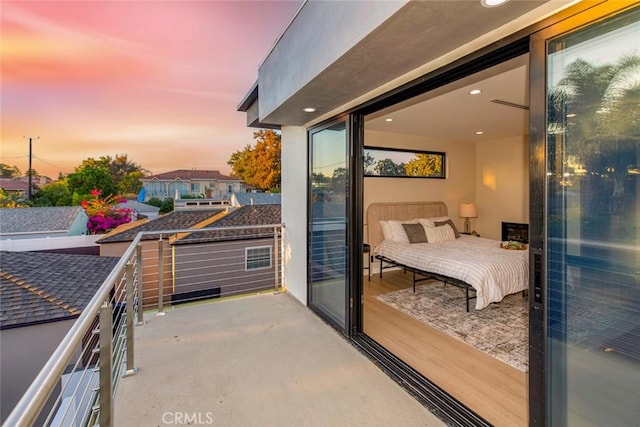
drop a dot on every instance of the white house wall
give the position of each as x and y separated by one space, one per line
294 210
23 353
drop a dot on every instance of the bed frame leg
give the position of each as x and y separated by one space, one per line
414 281
467 294
380 268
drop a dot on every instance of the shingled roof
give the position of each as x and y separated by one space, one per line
39 287
244 216
30 220
171 221
191 174
248 199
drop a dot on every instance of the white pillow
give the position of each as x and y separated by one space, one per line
426 222
397 230
386 230
444 233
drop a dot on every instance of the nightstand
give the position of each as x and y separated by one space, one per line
473 233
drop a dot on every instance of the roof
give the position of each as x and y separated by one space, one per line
191 174
40 287
11 184
139 207
247 199
246 215
31 220
171 221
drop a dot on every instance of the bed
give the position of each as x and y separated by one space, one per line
478 266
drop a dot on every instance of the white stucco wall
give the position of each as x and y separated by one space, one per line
294 210
502 184
23 353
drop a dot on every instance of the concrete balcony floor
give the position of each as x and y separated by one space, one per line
262 360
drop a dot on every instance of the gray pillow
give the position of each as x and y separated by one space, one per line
455 230
415 233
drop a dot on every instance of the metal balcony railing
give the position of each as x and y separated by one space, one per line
77 384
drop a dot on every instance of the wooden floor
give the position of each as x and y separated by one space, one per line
491 388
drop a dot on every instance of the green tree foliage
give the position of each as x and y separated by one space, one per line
388 167
259 166
111 175
7 171
89 177
424 165
605 100
53 194
165 205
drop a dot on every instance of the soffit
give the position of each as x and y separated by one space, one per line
419 32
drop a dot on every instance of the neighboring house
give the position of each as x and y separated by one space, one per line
117 241
249 199
14 186
31 223
142 210
246 256
184 182
497 91
42 295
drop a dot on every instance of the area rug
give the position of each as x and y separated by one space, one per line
500 330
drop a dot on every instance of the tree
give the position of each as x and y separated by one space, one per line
7 171
424 165
87 178
53 194
388 167
259 166
110 175
605 137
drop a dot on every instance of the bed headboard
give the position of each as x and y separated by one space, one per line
377 212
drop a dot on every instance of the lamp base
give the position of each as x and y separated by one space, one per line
467 226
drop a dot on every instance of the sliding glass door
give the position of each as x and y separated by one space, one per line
591 227
328 222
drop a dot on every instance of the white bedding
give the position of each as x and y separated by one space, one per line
493 272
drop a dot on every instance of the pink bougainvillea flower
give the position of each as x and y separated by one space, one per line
95 192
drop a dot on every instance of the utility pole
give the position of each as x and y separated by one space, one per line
30 171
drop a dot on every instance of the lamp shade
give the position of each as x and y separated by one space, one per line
468 210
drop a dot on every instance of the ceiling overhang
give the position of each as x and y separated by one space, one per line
417 33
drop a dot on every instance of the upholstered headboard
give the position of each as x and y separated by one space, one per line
377 212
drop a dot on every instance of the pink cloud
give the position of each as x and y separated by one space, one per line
156 80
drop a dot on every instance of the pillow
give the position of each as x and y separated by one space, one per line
415 233
443 233
450 223
397 231
386 230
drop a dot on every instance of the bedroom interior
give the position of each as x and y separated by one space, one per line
479 357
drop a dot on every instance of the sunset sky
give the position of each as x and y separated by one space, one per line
159 81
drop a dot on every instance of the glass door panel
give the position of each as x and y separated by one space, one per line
593 224
328 222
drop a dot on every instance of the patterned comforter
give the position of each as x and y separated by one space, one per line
493 272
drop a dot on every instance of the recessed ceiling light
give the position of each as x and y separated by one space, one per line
479 132
309 110
475 92
493 3
388 120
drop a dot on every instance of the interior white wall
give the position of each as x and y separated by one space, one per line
502 184
458 187
294 210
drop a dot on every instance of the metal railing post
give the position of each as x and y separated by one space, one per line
140 287
275 259
131 369
160 277
106 385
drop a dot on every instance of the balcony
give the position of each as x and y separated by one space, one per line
235 359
